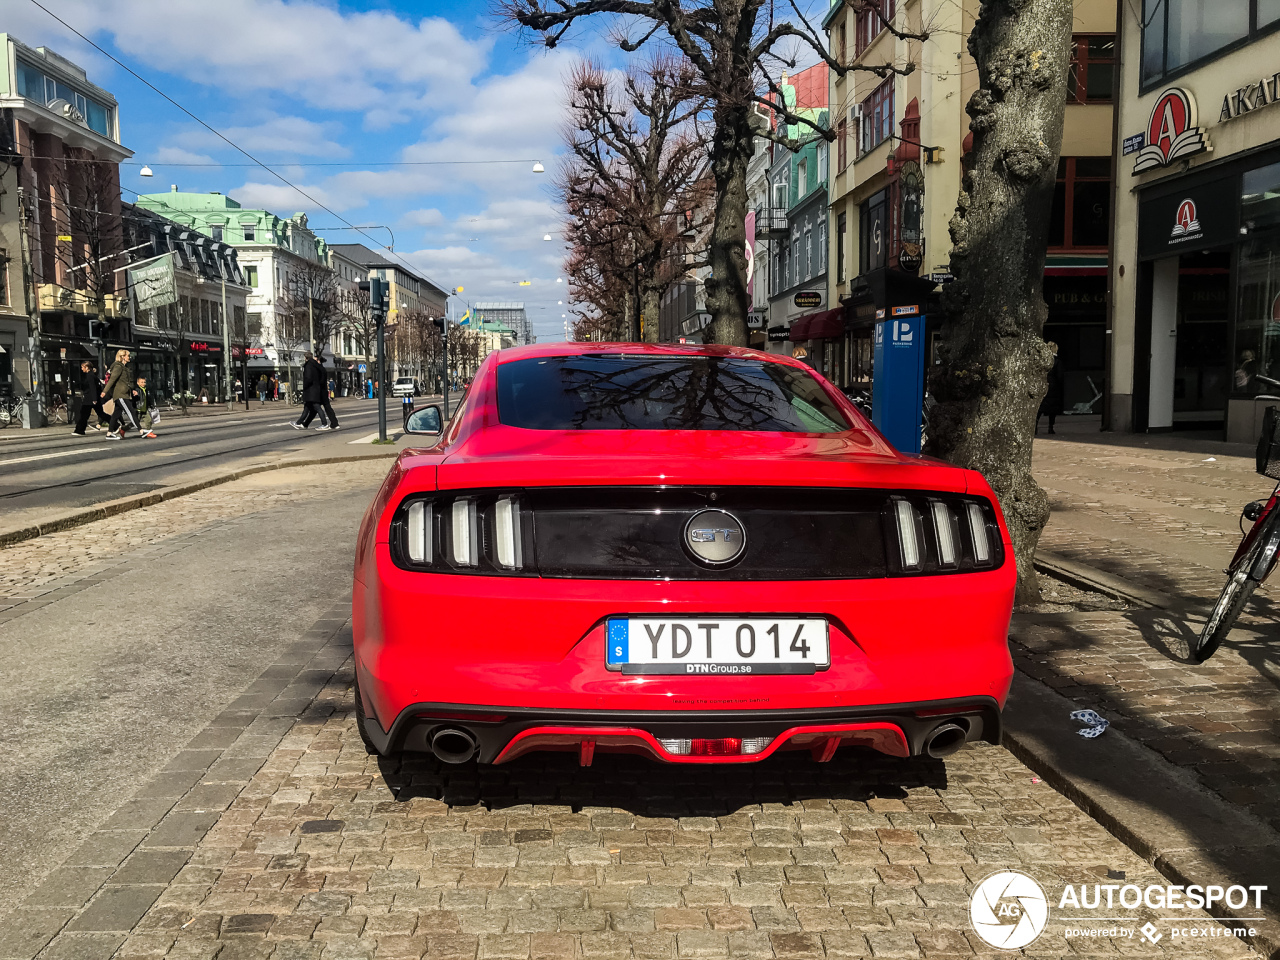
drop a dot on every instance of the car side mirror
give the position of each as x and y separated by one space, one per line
426 421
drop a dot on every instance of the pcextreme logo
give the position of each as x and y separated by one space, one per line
1009 910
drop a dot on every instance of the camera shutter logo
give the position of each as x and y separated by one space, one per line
1008 910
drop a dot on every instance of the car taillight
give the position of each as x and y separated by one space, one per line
463 542
939 533
506 532
716 747
418 532
978 534
475 533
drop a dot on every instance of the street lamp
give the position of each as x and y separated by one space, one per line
538 167
547 237
145 171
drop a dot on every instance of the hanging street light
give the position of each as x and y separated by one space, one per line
538 167
145 171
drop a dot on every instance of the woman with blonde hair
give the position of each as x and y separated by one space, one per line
119 389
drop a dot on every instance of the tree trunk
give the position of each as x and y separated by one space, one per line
994 363
727 285
650 303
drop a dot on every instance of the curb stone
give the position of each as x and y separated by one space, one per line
1188 834
112 508
86 907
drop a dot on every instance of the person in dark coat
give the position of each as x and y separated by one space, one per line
1052 404
90 399
315 395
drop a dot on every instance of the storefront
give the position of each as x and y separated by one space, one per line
1077 321
1209 297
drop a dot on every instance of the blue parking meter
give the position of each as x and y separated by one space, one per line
897 385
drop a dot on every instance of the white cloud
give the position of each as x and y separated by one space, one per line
314 52
273 137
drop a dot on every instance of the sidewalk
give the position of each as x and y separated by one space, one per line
1163 518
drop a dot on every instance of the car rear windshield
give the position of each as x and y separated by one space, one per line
645 392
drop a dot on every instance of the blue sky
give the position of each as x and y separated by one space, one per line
307 82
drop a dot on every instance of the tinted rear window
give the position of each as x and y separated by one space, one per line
621 392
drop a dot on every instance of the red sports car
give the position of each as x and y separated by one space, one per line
701 554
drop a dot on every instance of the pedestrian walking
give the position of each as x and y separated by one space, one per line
142 401
119 390
90 400
315 398
264 386
275 387
1054 398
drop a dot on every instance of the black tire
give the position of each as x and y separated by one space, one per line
1230 603
361 720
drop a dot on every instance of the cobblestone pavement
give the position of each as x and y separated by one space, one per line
1167 521
37 572
328 853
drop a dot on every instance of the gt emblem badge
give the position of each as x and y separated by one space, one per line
715 538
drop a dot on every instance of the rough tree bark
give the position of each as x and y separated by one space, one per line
727 300
994 363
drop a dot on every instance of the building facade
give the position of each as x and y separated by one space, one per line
183 348
503 313
898 158
275 254
1195 280
63 235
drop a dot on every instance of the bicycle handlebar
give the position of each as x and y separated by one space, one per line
1267 380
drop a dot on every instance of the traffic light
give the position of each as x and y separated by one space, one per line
438 323
379 292
98 329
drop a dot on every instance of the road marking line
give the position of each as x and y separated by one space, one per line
47 456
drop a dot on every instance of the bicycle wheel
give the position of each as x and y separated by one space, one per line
1239 588
58 414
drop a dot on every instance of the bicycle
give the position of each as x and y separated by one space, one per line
58 410
11 409
1255 558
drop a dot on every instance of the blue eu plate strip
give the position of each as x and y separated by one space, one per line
617 641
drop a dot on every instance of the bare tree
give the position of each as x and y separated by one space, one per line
636 164
315 299
729 44
993 361
89 235
357 320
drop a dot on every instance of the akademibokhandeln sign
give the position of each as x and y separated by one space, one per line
1172 132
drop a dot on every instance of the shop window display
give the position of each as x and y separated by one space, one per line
1258 301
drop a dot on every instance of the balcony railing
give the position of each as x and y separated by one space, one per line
771 220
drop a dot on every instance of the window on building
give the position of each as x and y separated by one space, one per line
841 50
254 321
780 193
1081 209
249 231
1093 68
1179 33
873 222
822 242
44 90
842 138
775 281
251 276
808 254
842 229
877 117
872 16
823 149
796 265
216 232
4 278
802 179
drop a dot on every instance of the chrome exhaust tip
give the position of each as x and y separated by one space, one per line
944 740
451 745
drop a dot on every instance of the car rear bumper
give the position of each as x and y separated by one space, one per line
502 734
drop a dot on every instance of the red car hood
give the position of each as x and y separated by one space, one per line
510 456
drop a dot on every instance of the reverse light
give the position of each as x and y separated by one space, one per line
908 540
418 530
681 748
506 522
944 532
978 534
751 745
464 548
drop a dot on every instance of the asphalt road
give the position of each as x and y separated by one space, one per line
50 471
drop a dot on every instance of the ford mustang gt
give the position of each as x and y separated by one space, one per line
698 554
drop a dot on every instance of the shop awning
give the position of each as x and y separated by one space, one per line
818 326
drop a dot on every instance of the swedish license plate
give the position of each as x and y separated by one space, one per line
717 647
